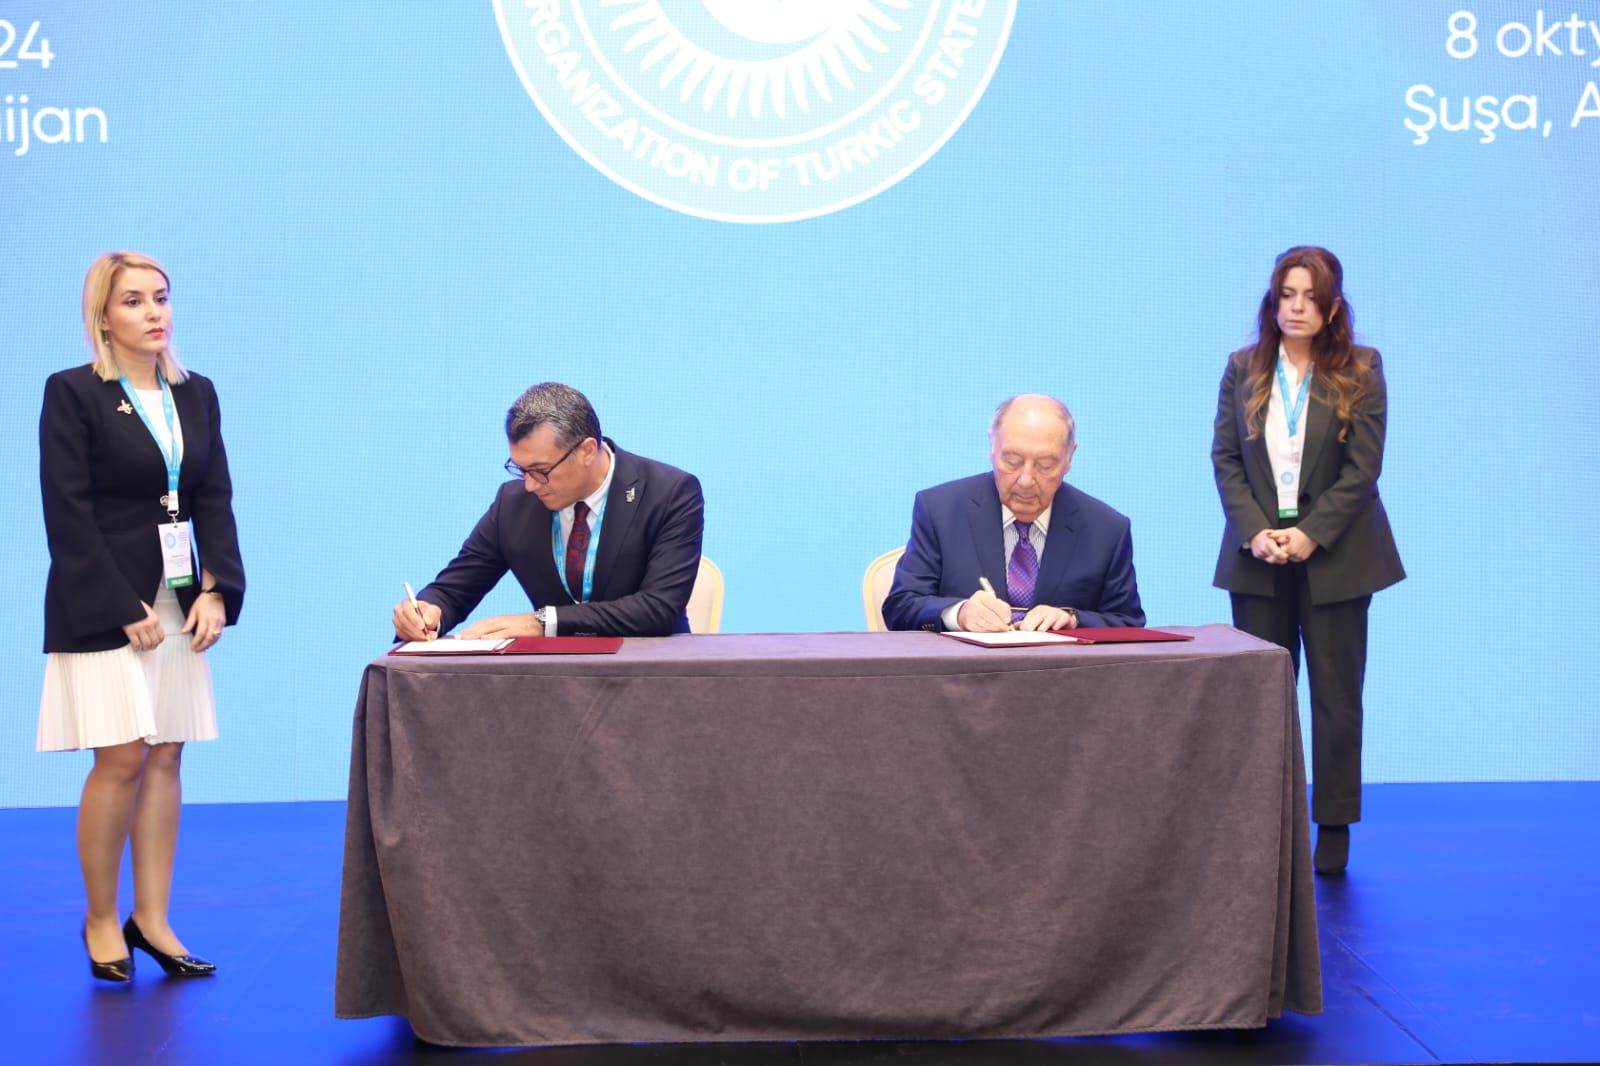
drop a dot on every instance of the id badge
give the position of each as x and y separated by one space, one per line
177 569
1289 494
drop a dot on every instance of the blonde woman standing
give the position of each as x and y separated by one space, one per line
135 484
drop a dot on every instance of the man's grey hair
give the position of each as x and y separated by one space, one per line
563 408
1061 409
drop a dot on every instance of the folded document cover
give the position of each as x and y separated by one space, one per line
511 646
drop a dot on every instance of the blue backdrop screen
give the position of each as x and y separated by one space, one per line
383 224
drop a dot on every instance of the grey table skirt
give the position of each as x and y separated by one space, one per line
828 836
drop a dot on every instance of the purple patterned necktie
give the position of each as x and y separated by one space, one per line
1022 573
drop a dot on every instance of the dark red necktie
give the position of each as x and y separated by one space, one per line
577 550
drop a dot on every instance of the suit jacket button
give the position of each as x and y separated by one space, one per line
1305 499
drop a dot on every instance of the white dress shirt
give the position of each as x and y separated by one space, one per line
1285 452
568 515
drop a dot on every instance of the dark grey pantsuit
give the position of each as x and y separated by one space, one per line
1335 639
1321 603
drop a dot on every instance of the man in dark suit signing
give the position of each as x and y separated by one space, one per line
1060 557
604 542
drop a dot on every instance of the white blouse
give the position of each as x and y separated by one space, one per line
150 400
1285 451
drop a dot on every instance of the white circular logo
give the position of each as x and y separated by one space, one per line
755 110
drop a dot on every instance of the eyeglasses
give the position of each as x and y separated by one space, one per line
540 477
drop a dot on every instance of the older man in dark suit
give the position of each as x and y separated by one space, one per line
1065 558
604 542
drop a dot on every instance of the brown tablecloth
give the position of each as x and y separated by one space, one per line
826 836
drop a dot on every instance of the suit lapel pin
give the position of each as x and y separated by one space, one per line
629 495
125 407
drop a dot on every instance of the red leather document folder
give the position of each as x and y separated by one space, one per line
563 646
516 646
1121 635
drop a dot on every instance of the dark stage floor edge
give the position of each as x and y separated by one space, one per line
1467 930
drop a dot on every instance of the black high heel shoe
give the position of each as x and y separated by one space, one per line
119 971
174 965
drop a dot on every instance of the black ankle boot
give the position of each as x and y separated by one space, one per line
1333 850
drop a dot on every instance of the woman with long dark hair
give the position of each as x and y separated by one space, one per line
130 459
1297 450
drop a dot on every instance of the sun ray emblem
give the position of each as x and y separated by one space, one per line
755 110
813 48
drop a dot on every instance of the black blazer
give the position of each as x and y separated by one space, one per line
956 539
1339 504
102 477
645 563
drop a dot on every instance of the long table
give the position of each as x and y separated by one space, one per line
828 836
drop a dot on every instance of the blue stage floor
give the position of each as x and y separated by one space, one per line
1468 930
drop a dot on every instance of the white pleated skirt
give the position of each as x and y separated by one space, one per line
95 699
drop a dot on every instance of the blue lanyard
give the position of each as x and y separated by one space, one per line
1292 415
559 544
174 460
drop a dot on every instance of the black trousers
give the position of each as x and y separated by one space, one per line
1335 640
